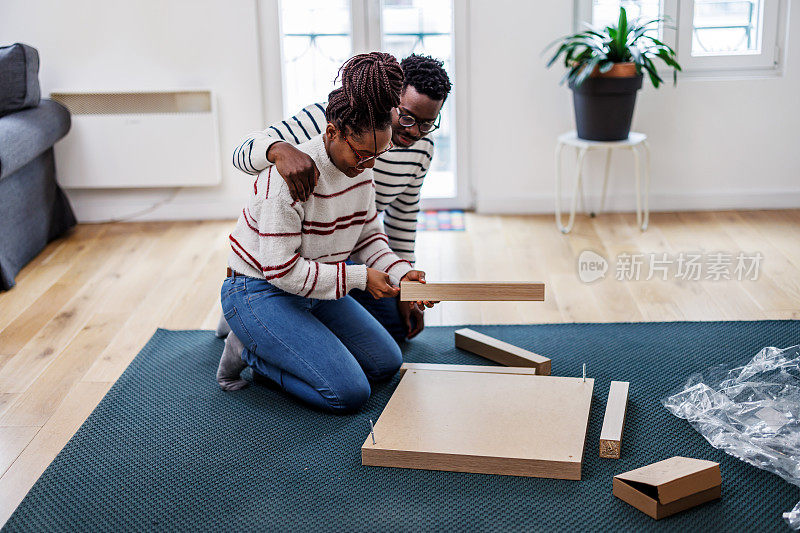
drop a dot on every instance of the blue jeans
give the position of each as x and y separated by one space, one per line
384 310
323 352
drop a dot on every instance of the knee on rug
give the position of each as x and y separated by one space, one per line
387 362
349 398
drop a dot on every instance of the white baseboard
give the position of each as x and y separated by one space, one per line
695 201
182 208
127 210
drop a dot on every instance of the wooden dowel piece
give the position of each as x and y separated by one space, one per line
614 420
501 352
411 291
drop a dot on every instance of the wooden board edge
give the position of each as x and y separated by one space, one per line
503 466
609 449
497 354
448 292
485 369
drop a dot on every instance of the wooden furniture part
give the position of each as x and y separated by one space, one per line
507 424
500 352
467 368
614 421
411 291
670 486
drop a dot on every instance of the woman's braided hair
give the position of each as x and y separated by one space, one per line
371 85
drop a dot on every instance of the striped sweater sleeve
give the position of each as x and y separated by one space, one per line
279 237
372 248
250 155
400 216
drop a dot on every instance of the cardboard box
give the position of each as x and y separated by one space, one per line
670 486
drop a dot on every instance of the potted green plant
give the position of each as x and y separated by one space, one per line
605 70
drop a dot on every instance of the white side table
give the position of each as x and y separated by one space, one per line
634 142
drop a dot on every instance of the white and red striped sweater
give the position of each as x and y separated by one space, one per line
301 247
399 173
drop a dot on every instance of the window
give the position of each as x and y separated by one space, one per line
319 35
709 35
605 12
728 34
726 27
426 27
317 39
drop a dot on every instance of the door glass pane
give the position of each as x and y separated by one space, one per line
426 27
726 27
317 39
606 12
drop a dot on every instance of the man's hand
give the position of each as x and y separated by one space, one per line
296 168
378 284
413 317
418 275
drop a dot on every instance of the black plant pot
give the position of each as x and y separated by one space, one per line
604 107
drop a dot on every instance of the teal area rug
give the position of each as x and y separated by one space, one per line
167 450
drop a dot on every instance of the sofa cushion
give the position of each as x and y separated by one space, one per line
19 84
28 133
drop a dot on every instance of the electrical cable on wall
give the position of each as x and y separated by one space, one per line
144 211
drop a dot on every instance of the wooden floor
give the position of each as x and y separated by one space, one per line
85 306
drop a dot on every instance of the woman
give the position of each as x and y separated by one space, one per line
286 295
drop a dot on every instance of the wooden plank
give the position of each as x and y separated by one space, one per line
189 247
411 291
49 342
190 310
31 316
614 420
507 424
43 448
467 368
12 442
501 352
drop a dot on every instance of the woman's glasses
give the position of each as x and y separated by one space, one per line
407 120
361 157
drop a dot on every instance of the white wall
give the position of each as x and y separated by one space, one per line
151 44
716 144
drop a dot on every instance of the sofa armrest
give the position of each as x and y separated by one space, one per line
27 133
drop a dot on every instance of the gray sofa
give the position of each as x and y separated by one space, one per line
33 208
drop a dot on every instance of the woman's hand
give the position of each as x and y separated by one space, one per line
418 275
378 284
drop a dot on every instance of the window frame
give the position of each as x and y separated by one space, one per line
369 14
767 63
765 59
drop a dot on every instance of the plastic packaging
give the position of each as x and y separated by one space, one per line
751 412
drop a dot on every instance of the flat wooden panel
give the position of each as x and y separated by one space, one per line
466 291
500 352
508 424
614 420
467 368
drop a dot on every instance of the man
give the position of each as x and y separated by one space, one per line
399 173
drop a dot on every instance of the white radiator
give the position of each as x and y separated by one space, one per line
139 139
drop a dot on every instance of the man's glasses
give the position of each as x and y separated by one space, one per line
406 120
361 157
